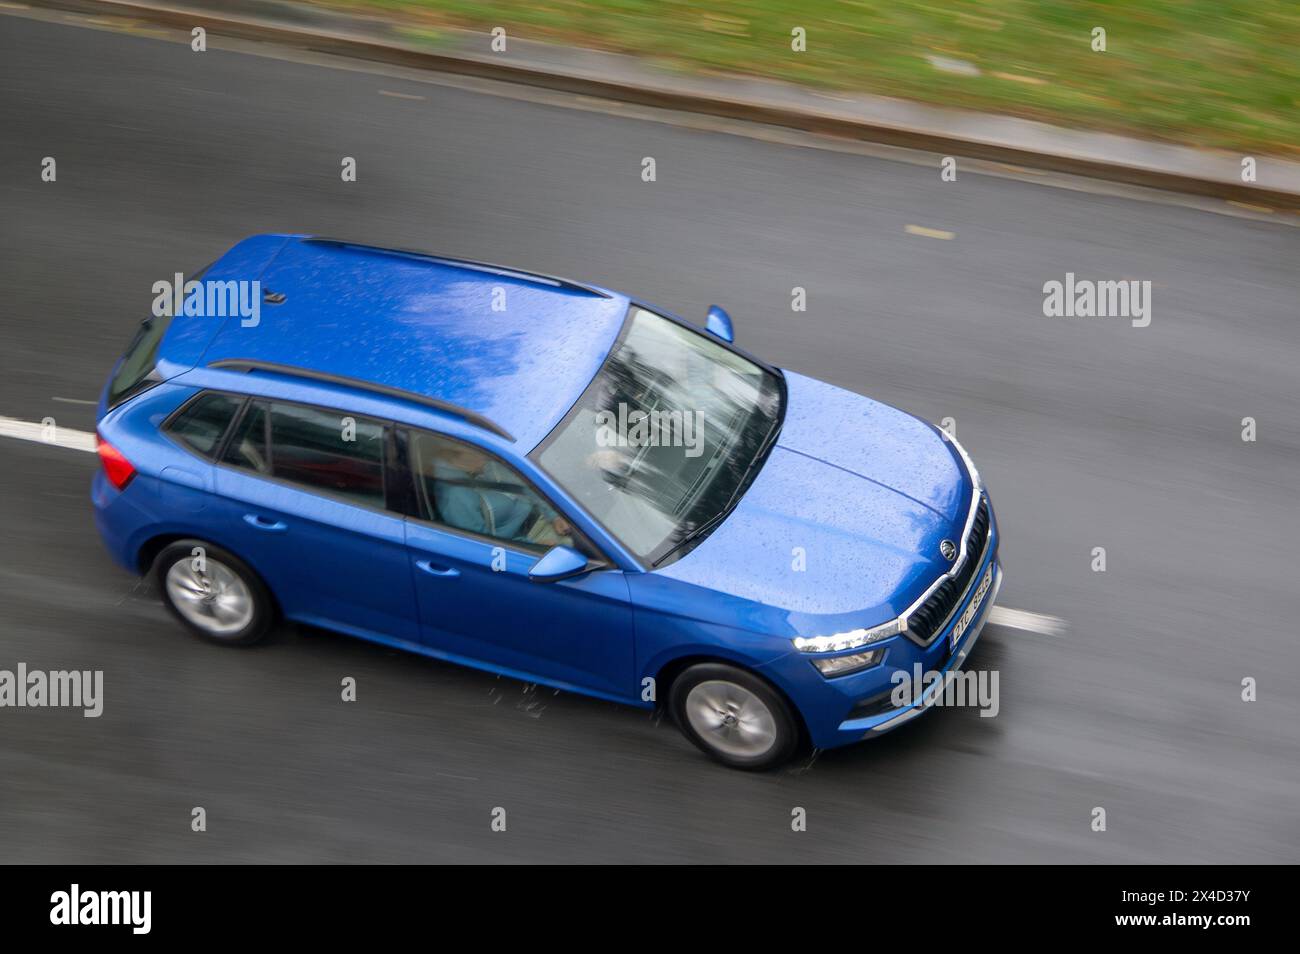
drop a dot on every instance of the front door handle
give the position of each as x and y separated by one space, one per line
436 569
265 523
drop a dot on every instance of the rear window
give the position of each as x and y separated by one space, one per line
137 369
136 372
201 424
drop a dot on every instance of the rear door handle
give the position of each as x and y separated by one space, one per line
436 569
265 523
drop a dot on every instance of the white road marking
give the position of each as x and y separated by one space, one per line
1023 619
389 92
58 436
929 233
73 401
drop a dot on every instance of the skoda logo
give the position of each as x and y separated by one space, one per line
948 549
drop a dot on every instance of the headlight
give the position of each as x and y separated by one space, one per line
850 640
843 665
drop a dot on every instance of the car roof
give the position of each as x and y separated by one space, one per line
514 347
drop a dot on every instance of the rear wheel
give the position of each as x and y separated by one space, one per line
214 593
733 716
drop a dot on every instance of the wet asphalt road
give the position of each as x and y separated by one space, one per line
1090 433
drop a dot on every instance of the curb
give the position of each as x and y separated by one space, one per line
664 98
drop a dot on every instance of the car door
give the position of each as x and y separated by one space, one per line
470 555
304 493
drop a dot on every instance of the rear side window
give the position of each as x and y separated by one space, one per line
202 423
329 451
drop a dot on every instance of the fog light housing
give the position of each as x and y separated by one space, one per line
831 666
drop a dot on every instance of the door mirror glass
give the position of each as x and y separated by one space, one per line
558 563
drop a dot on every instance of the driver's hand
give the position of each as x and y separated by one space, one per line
562 526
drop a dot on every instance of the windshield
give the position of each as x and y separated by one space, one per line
668 434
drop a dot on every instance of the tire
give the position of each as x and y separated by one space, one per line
734 716
219 596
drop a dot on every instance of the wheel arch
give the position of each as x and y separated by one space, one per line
149 550
669 670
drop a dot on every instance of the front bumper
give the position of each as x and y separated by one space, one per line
892 720
851 708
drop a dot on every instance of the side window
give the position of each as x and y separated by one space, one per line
465 488
330 451
247 446
204 420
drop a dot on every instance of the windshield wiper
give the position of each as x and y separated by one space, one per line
721 515
694 534
759 456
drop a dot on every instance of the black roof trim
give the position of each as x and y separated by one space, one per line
503 270
473 417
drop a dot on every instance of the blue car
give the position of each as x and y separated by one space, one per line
541 479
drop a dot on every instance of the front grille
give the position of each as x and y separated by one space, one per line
930 617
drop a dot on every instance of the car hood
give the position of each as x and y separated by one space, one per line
841 527
874 441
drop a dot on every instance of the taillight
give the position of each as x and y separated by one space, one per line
117 468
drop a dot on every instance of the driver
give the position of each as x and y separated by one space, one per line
465 489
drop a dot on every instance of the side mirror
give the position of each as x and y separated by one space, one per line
558 563
719 324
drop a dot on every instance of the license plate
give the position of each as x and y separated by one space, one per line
964 620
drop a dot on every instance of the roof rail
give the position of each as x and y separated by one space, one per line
502 270
473 417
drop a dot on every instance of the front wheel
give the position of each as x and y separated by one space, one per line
214 593
733 716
